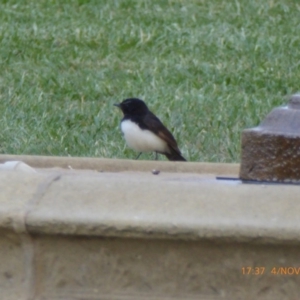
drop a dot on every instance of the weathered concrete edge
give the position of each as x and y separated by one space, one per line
40 212
121 165
219 232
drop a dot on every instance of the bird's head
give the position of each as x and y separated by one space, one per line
133 106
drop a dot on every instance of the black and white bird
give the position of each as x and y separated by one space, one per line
144 132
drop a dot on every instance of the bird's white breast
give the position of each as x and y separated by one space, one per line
142 140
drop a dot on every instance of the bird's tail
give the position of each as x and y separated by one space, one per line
174 156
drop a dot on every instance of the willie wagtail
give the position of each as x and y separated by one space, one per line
144 132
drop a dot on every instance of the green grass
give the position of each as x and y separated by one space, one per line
208 69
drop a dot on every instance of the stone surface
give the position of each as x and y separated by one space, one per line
120 165
83 234
148 269
170 206
271 151
15 266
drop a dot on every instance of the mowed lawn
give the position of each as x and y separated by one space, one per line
208 69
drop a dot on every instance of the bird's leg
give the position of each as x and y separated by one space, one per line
138 156
156 155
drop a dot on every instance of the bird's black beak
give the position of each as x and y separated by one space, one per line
117 104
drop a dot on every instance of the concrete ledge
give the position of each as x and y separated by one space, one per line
120 165
129 234
139 204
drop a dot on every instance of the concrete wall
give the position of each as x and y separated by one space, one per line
110 229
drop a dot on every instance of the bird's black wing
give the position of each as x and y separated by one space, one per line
152 123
